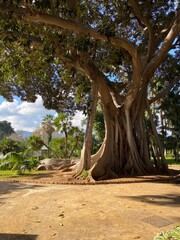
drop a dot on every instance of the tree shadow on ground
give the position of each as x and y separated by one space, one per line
8 187
161 179
8 236
173 177
156 179
172 200
57 176
41 175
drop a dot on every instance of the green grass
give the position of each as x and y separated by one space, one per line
14 174
84 174
171 161
173 234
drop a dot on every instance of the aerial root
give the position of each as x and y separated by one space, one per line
90 179
67 167
84 176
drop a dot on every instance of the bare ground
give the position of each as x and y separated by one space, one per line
135 209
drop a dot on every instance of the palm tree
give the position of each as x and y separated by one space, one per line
63 124
18 161
77 137
47 126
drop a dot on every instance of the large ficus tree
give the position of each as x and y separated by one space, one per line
52 47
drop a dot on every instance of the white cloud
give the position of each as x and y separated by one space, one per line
77 120
23 115
27 108
28 116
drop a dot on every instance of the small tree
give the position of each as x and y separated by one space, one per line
57 144
35 142
63 123
18 161
47 126
17 156
76 137
5 129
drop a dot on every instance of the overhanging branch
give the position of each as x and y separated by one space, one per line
79 28
165 91
147 23
161 55
48 19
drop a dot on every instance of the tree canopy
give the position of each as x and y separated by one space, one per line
5 129
128 48
53 34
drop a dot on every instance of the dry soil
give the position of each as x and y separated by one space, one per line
119 211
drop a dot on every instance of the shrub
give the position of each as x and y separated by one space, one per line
173 234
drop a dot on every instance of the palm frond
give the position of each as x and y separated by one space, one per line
4 164
13 156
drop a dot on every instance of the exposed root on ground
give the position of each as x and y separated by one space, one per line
66 167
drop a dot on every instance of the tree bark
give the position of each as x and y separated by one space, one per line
161 162
125 149
85 160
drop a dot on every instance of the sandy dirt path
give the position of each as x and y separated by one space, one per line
87 212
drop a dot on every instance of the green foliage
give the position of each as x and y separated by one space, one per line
35 142
8 173
63 122
167 107
13 161
57 144
55 58
75 141
18 161
173 234
171 109
5 129
74 144
14 173
96 145
24 78
99 128
170 158
72 135
171 143
11 145
83 44
34 55
84 174
47 126
67 145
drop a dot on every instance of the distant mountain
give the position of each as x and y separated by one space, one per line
24 134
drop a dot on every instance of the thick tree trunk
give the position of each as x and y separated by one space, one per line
125 150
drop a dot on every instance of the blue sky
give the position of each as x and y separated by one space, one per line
28 116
